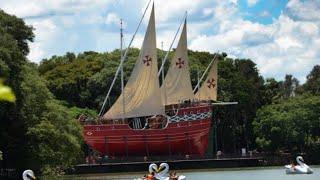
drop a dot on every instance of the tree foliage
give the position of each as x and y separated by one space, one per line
17 28
36 132
55 139
291 125
68 79
313 81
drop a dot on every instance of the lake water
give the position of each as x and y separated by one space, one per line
261 173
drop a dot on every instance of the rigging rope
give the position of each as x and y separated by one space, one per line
213 59
175 36
121 62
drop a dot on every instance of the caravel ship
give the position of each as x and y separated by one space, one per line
148 119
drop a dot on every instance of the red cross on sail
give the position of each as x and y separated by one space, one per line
211 83
180 63
146 60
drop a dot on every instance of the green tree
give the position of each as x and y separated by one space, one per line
86 78
26 124
292 124
55 142
271 90
289 86
17 28
239 81
313 81
68 79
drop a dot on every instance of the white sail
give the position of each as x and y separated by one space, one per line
142 95
208 90
177 84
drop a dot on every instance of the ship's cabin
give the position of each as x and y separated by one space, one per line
151 122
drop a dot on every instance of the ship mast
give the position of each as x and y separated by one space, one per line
122 84
162 75
198 77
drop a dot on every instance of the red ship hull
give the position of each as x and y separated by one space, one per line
180 137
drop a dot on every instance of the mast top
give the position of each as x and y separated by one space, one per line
121 28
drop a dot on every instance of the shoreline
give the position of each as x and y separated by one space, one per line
186 164
178 164
139 173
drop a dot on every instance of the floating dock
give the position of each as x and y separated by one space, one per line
174 165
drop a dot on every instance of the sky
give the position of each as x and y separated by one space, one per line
280 36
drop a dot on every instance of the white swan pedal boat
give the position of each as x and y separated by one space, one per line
301 168
28 175
161 173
